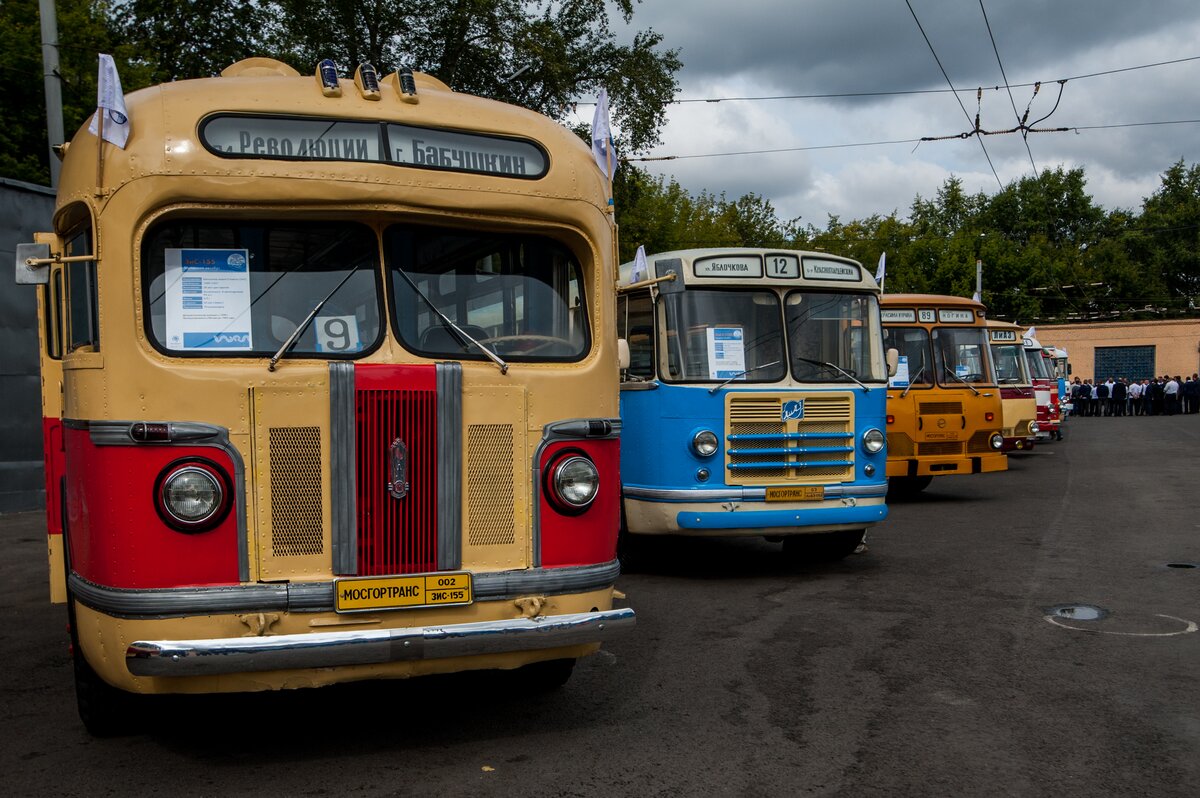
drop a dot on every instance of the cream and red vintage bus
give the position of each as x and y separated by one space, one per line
1016 386
944 415
330 389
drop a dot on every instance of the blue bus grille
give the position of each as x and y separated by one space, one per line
763 448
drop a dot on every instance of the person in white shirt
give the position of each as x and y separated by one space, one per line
1171 397
1135 398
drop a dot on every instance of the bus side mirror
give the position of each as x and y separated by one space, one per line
32 273
622 354
666 268
893 361
1068 369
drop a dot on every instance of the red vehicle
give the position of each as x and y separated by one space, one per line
1045 389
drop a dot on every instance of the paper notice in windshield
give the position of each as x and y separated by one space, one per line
900 378
726 353
208 299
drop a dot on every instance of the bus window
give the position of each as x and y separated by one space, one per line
244 287
636 315
837 329
83 323
717 335
960 355
521 296
1008 364
913 345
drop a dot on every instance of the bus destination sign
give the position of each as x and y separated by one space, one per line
308 139
831 270
729 266
1004 336
897 315
955 316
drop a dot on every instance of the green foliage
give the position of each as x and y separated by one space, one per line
178 39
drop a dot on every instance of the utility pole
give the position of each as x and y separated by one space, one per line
54 117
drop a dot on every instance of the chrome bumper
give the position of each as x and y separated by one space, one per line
371 647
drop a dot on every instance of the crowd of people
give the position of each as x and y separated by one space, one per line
1160 396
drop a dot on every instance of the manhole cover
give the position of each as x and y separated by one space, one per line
1078 612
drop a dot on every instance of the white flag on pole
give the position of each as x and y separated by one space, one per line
975 297
641 270
602 143
110 101
881 270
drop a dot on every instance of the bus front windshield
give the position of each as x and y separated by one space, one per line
1037 365
518 296
1010 364
713 336
912 343
834 337
960 356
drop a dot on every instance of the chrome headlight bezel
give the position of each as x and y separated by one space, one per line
873 441
705 443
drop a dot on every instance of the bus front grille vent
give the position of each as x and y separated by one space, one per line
814 444
980 442
940 408
899 445
297 510
939 448
490 485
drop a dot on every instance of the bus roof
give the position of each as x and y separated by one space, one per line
889 300
268 96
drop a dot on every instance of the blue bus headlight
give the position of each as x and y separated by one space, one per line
705 443
873 441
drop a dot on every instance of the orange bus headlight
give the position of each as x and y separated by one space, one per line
574 483
997 441
192 496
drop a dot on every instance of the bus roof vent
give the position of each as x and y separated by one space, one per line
259 68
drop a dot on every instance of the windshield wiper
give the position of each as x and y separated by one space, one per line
912 381
835 367
295 336
740 374
462 336
960 379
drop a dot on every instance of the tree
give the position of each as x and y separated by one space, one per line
542 55
179 39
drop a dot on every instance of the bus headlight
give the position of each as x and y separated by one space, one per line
873 441
576 482
192 496
997 441
705 443
1034 428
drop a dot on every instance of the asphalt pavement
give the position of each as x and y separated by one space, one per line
1032 632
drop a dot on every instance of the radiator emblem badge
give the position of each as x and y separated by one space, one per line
793 410
397 485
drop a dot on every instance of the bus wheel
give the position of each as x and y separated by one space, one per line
104 710
543 677
826 546
901 487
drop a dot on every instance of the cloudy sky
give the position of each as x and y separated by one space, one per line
768 48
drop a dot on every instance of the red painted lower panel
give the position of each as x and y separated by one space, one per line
591 537
115 534
55 465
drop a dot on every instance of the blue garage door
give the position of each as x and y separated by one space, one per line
1132 362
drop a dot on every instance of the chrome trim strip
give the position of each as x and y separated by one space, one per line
343 478
184 433
743 494
371 646
449 466
318 596
571 429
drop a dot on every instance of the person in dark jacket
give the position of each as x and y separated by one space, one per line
1104 408
1120 392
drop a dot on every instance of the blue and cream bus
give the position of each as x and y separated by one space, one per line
754 397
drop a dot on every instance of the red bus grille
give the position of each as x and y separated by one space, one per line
396 536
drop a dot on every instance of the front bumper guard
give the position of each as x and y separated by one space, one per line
371 647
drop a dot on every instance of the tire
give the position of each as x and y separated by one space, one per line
544 677
826 546
104 710
901 487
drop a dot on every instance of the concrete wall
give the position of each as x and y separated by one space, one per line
1176 343
24 210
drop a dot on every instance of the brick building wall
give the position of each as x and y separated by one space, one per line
1172 346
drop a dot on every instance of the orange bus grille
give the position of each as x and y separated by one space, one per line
940 408
939 448
396 535
980 442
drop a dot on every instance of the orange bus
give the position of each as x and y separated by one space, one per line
330 389
944 414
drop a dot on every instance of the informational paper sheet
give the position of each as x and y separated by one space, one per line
208 299
726 353
900 378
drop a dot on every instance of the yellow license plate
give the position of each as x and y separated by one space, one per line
796 493
402 592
